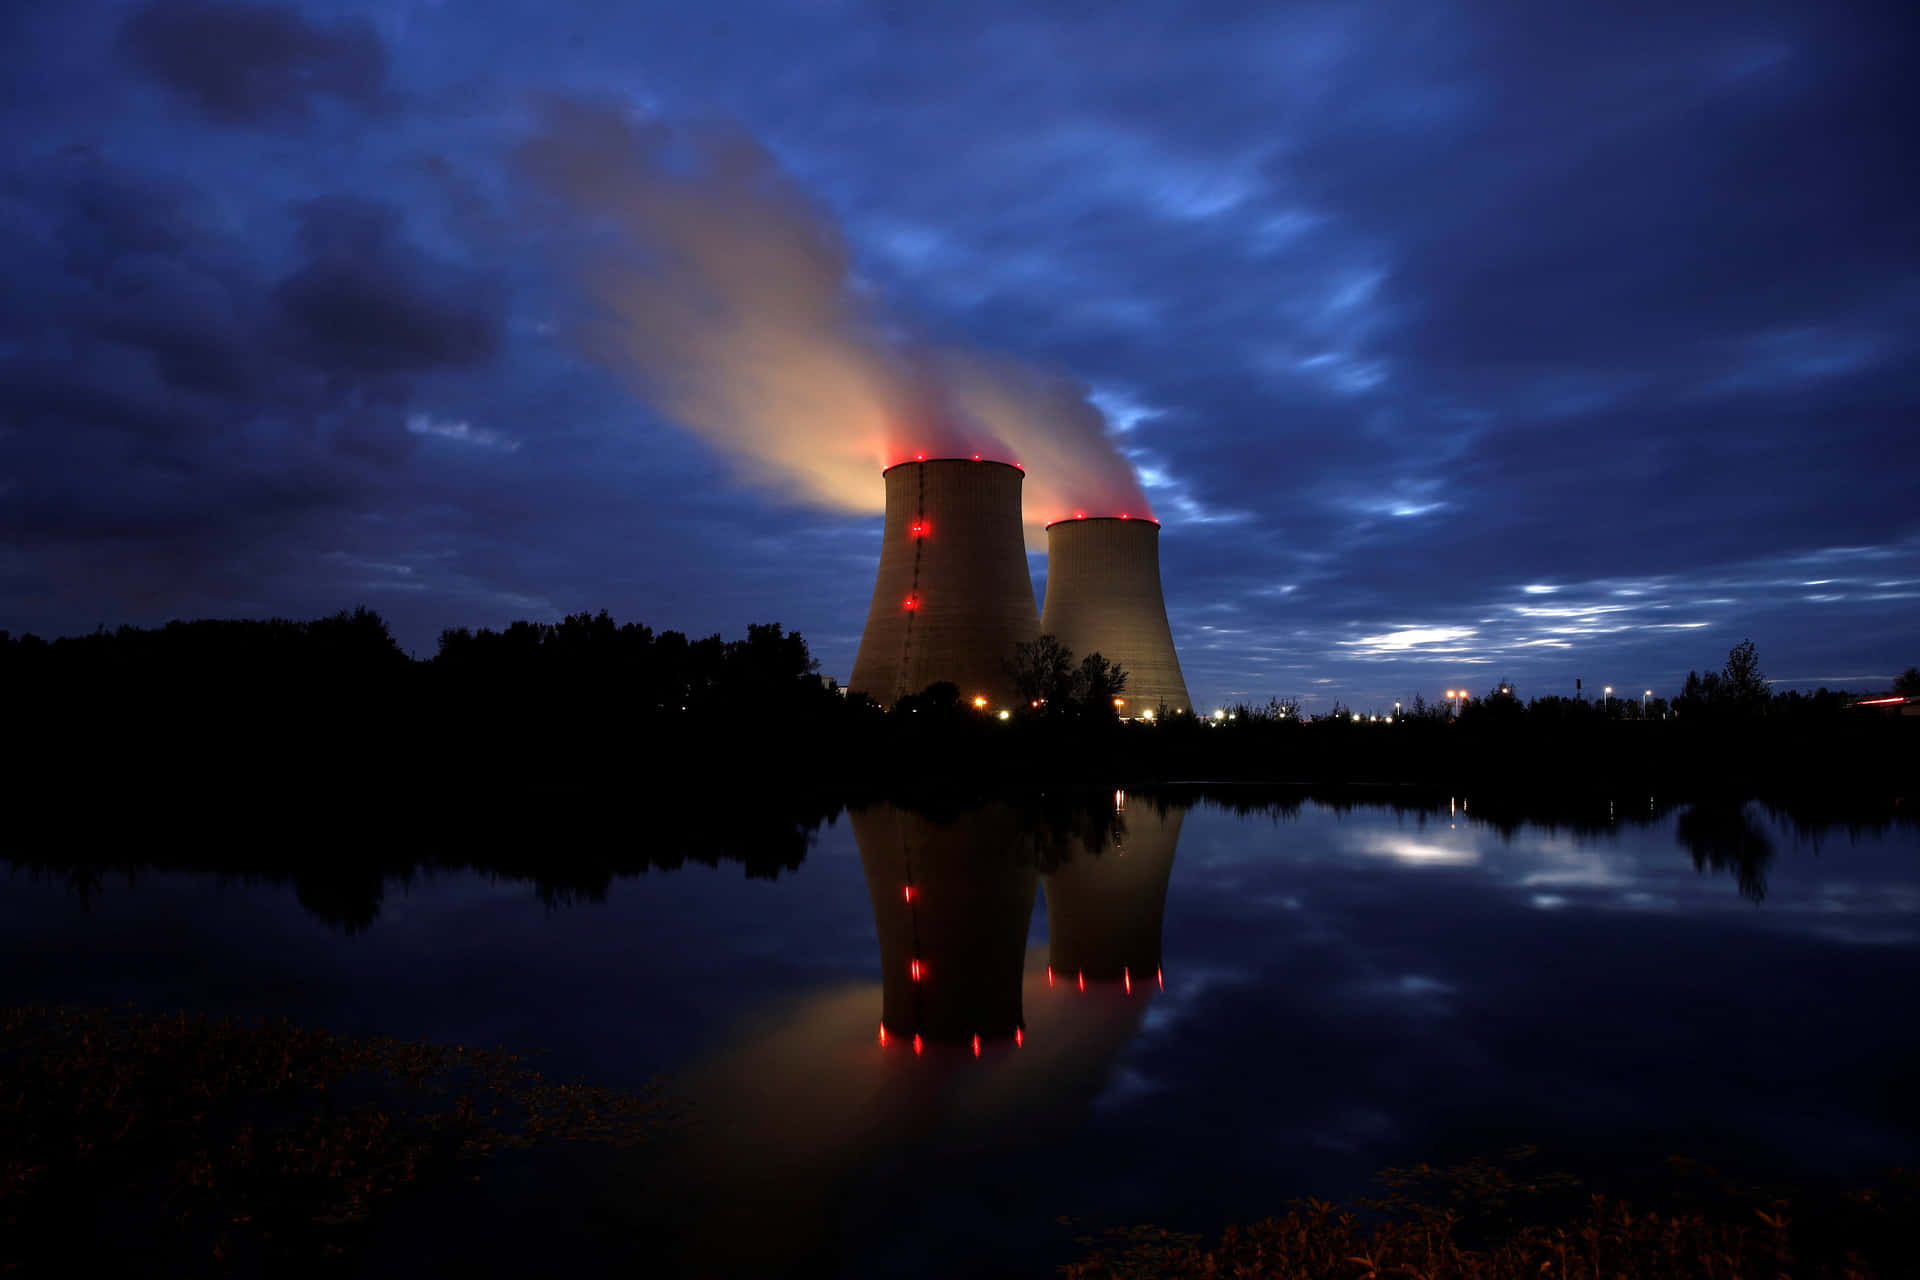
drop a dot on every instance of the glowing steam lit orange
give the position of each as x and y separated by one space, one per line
725 297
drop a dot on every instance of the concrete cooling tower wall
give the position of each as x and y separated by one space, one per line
1103 596
953 595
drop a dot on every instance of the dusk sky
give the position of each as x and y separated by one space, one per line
1451 343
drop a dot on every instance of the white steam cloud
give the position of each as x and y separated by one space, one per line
724 296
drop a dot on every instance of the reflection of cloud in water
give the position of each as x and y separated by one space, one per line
1418 853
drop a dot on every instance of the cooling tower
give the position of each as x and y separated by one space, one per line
953 595
951 903
1104 908
1103 596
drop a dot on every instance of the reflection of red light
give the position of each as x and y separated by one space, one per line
914 969
917 1046
976 1046
1083 979
909 893
883 1033
1019 1037
1160 978
1126 975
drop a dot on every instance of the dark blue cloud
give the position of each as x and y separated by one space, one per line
250 63
1397 312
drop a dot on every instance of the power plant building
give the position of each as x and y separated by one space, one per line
1104 596
952 596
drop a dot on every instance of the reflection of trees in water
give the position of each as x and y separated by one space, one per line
571 847
1720 834
340 874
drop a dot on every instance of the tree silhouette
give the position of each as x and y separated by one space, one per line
1742 686
1098 683
1042 671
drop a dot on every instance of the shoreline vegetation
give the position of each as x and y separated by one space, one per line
158 1142
1516 1215
590 703
245 1146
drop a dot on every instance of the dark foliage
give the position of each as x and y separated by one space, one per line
194 1142
1507 1218
333 707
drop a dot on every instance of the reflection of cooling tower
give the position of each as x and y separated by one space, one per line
1104 909
952 949
953 595
1103 596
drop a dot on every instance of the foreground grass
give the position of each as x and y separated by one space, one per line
186 1141
1484 1221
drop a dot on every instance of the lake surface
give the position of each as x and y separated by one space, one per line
1186 1015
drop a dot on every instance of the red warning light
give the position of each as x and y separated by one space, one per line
1079 515
913 602
1161 978
1126 976
1019 1037
976 1046
909 893
1083 979
917 1046
914 969
1049 975
919 457
1020 466
1124 516
883 1033
976 457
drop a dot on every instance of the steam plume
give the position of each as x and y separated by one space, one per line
725 297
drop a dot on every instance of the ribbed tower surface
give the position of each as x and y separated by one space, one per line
952 950
1104 909
953 595
1103 596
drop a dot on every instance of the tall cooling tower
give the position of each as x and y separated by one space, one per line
953 595
1103 596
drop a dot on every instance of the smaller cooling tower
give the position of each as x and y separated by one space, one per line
1103 596
952 903
953 595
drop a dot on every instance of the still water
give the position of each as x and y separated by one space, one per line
1186 1013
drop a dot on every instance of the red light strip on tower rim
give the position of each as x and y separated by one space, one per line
921 457
1081 517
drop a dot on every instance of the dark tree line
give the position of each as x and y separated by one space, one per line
215 706
630 667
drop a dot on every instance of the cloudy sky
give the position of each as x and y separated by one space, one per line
1451 342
